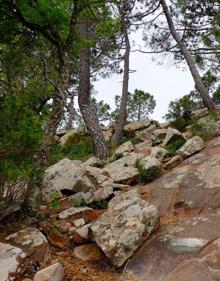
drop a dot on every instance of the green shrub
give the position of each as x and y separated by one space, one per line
117 156
80 151
147 175
174 146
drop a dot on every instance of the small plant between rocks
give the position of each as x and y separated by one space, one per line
174 146
147 175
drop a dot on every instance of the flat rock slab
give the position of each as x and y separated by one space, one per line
194 186
176 243
12 262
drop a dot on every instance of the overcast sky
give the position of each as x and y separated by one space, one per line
166 82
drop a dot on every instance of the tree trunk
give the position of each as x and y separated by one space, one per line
56 113
207 100
124 99
84 98
71 111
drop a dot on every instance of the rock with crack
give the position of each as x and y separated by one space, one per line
148 134
13 262
127 223
192 146
33 243
64 138
67 175
123 170
173 162
124 149
93 162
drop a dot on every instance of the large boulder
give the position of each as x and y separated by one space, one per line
148 134
12 262
33 243
126 224
66 175
137 125
197 114
192 146
172 135
123 170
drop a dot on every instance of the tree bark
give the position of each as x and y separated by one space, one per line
56 113
124 99
71 111
207 100
84 98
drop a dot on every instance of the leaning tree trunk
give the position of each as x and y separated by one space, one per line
124 99
84 98
207 100
56 113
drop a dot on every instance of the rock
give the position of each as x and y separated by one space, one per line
150 162
64 139
161 259
123 170
173 162
197 114
99 175
120 230
107 135
55 272
88 252
143 147
164 125
171 136
83 232
12 262
93 162
192 146
124 149
66 175
72 211
159 152
79 222
89 197
57 239
137 125
160 133
191 270
147 134
33 243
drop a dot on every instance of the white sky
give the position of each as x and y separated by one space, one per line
165 82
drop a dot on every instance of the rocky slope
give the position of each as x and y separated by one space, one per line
98 222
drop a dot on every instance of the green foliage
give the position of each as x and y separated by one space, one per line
174 146
80 151
140 105
179 111
147 175
117 156
99 204
20 135
55 203
102 110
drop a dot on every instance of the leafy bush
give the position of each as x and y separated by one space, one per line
80 151
174 146
20 135
147 175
